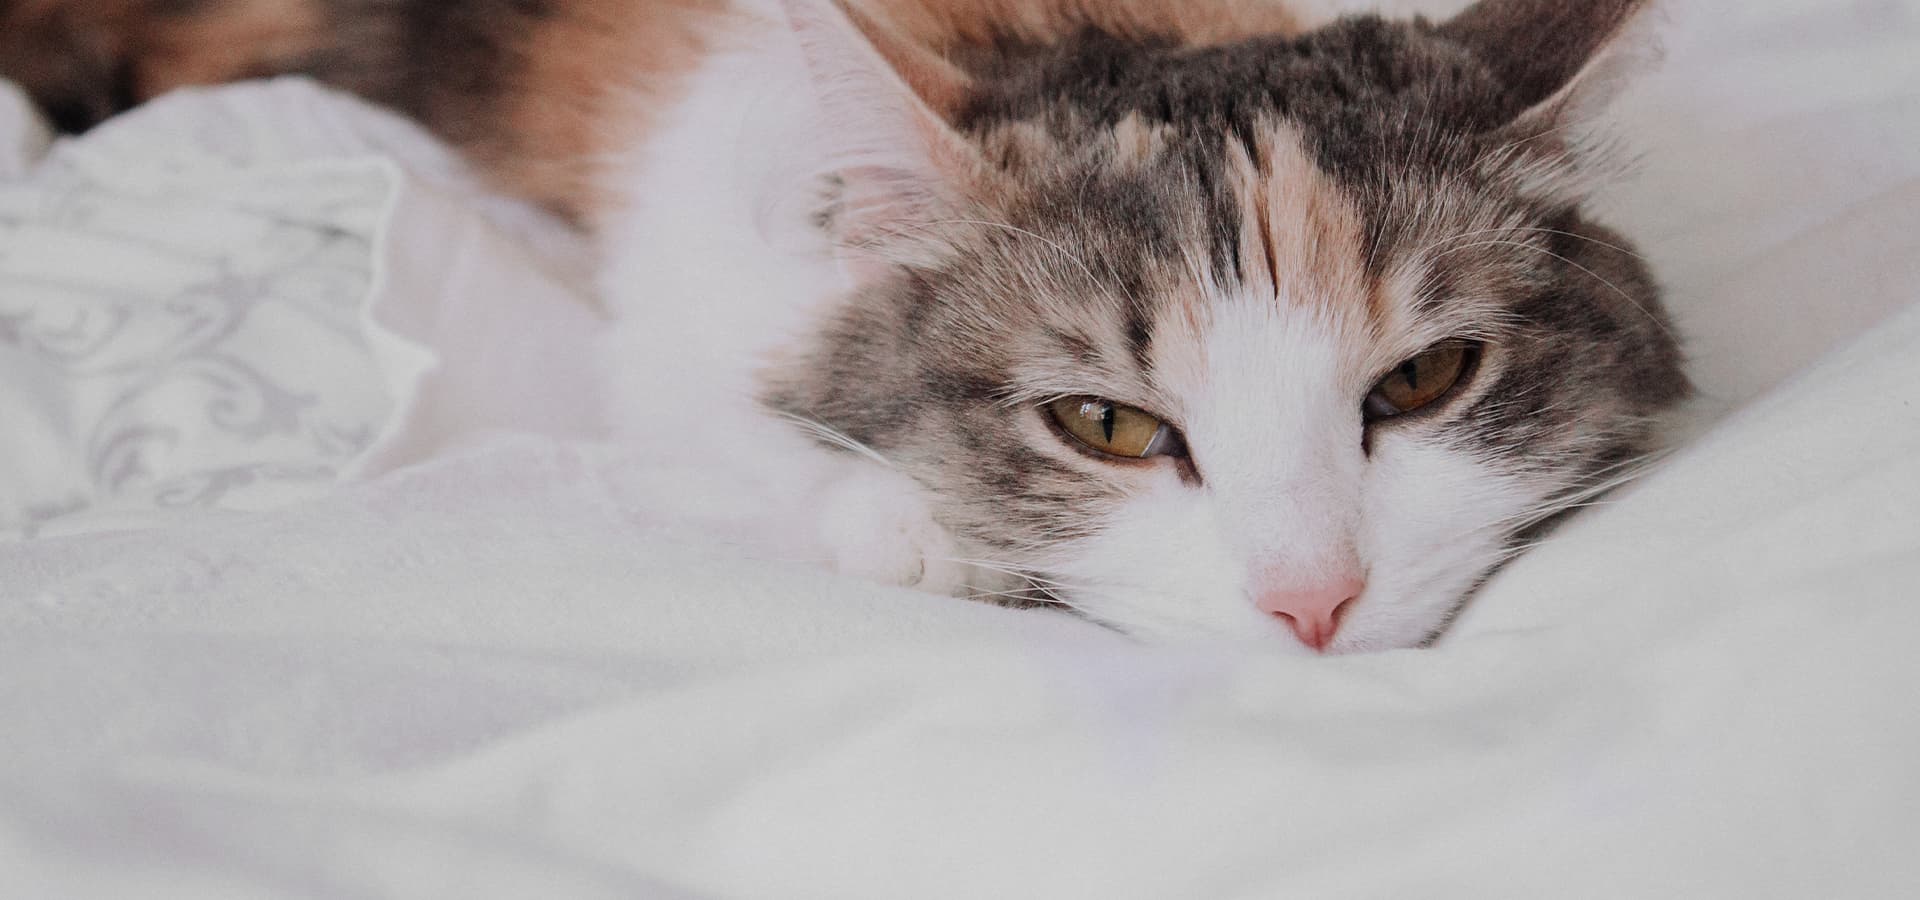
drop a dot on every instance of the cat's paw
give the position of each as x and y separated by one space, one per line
878 525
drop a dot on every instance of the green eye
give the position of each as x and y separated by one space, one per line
1114 429
1420 381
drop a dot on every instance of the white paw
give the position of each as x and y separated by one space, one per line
877 524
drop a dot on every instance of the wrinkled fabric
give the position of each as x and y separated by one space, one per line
472 660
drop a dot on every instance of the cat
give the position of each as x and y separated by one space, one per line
1204 319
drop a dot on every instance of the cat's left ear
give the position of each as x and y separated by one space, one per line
1564 61
885 102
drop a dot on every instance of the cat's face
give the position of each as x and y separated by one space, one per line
1282 339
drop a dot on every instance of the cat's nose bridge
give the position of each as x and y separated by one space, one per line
1288 492
1295 462
1294 538
1305 507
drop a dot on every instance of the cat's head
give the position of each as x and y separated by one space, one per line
1247 335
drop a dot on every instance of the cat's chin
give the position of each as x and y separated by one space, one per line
1273 637
1391 619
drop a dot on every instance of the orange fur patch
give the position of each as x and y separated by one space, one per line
1305 232
580 83
233 41
594 78
940 84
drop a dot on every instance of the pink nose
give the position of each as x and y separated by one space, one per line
1313 612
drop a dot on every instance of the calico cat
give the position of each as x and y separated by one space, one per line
1202 318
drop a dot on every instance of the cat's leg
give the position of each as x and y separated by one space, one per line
878 524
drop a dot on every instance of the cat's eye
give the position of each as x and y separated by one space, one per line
1114 429
1420 381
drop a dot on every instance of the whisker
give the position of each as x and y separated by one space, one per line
1525 229
1590 273
1017 572
837 438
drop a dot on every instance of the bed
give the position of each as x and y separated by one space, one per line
318 579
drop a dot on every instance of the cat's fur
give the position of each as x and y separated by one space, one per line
855 248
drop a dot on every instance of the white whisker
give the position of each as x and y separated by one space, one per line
1590 273
837 438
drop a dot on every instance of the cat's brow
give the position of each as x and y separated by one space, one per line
1044 389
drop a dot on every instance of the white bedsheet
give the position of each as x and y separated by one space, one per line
496 674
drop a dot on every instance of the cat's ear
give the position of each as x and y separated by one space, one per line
885 103
1563 60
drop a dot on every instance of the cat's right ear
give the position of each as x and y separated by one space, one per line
1561 60
885 103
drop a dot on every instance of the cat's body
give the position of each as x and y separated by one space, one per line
1113 303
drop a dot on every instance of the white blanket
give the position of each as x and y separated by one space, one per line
496 674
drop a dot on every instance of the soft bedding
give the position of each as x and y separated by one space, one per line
430 637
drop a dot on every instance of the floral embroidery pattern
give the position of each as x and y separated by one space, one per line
180 329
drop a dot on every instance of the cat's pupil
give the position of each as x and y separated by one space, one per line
1410 370
1106 420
